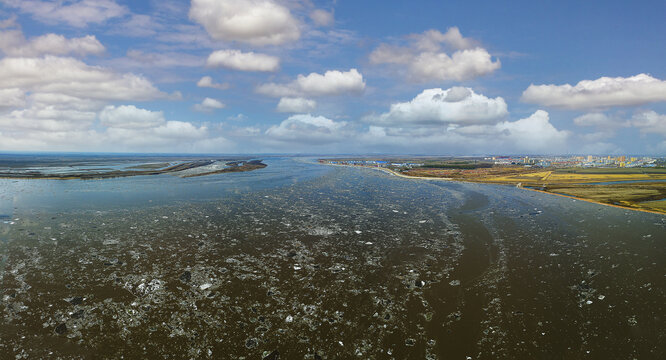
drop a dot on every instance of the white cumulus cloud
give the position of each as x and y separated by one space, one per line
650 122
209 105
13 43
533 134
332 82
257 22
208 82
461 65
426 58
430 40
130 117
248 61
600 93
46 118
121 128
305 128
457 105
72 77
296 105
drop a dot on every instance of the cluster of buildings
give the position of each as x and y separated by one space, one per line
619 161
574 161
374 163
526 161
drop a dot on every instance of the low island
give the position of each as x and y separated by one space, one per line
190 168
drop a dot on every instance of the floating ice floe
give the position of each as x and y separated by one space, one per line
289 319
110 242
601 297
321 231
454 282
297 267
146 288
358 231
205 286
422 221
368 243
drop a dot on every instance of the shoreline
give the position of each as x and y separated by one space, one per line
234 166
389 171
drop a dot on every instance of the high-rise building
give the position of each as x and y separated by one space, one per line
589 158
622 158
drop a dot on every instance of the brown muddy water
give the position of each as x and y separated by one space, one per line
342 264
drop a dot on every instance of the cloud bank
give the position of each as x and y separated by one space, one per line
457 105
601 93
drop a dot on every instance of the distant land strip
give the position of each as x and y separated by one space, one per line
234 166
243 166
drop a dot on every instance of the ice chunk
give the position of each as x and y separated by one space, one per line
289 319
454 282
205 286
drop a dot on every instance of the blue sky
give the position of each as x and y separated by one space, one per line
298 76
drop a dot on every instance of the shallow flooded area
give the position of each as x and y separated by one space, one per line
307 261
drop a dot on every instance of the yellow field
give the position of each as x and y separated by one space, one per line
638 196
659 206
549 177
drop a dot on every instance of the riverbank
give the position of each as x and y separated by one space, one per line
629 206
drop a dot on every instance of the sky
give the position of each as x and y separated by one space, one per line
333 77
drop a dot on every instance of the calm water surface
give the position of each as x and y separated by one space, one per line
318 262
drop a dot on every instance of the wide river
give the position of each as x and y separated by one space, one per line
311 261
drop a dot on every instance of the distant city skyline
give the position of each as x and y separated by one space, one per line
331 77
